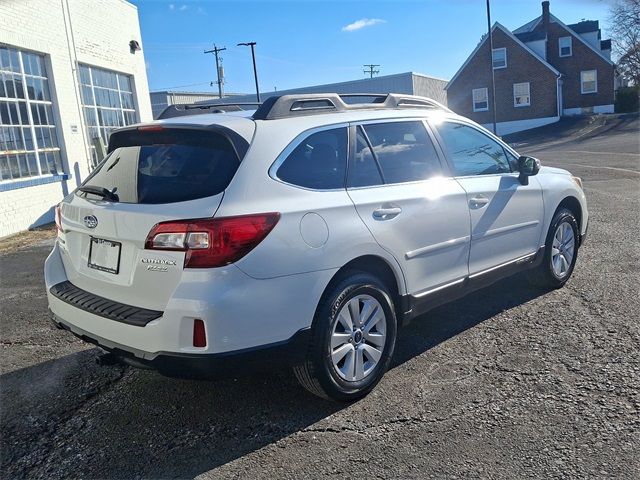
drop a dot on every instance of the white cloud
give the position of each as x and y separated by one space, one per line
183 8
362 23
172 6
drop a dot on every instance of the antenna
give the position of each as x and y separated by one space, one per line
371 70
219 68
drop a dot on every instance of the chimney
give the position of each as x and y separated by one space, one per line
545 25
545 13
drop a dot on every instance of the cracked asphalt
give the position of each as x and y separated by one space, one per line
510 382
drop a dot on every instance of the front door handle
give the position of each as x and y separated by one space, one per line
386 213
478 202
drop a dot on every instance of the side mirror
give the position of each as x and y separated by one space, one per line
527 166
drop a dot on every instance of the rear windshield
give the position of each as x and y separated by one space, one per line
173 165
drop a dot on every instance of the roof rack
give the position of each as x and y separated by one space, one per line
183 110
299 104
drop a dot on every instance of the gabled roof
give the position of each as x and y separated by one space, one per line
585 26
577 35
582 27
515 39
528 27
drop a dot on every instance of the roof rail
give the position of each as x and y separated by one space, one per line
299 104
183 110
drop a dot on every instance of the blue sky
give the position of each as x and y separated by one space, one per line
312 42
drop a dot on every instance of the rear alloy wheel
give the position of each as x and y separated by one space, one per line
560 253
353 337
358 338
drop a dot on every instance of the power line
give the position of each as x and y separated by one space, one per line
219 70
370 70
183 86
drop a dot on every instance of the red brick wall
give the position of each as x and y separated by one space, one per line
582 58
521 67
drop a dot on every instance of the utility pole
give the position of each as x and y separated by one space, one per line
493 76
255 71
215 51
371 70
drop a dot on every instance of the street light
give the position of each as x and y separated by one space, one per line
255 71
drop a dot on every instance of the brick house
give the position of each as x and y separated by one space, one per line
542 70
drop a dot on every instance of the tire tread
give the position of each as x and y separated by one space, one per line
305 372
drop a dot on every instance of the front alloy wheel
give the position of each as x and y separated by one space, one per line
562 249
560 252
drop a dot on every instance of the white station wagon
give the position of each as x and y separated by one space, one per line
302 234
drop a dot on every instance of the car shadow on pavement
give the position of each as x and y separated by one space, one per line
69 417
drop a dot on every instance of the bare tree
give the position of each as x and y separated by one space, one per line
625 29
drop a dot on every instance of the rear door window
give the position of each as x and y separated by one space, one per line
363 167
404 151
319 162
167 166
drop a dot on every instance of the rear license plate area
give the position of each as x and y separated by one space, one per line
104 255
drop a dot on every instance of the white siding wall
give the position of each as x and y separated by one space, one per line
592 39
539 47
101 31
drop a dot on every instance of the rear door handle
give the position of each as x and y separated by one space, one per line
386 213
478 202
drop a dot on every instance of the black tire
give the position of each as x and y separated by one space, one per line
544 275
318 374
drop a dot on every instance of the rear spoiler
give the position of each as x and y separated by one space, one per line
118 138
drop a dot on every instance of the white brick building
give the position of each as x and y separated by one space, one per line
70 71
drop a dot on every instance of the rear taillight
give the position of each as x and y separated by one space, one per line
58 218
212 242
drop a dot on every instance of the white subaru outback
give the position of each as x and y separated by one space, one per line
301 234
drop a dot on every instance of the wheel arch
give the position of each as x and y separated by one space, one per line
573 204
381 269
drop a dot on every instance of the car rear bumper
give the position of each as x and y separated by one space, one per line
240 313
264 358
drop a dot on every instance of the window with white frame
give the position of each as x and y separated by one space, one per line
521 95
28 137
564 45
480 99
499 58
589 81
107 99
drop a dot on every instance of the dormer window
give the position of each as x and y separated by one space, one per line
565 47
499 58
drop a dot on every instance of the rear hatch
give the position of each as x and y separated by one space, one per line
152 174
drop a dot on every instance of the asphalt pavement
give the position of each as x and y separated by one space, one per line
510 382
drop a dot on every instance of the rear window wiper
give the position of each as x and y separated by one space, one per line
101 192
